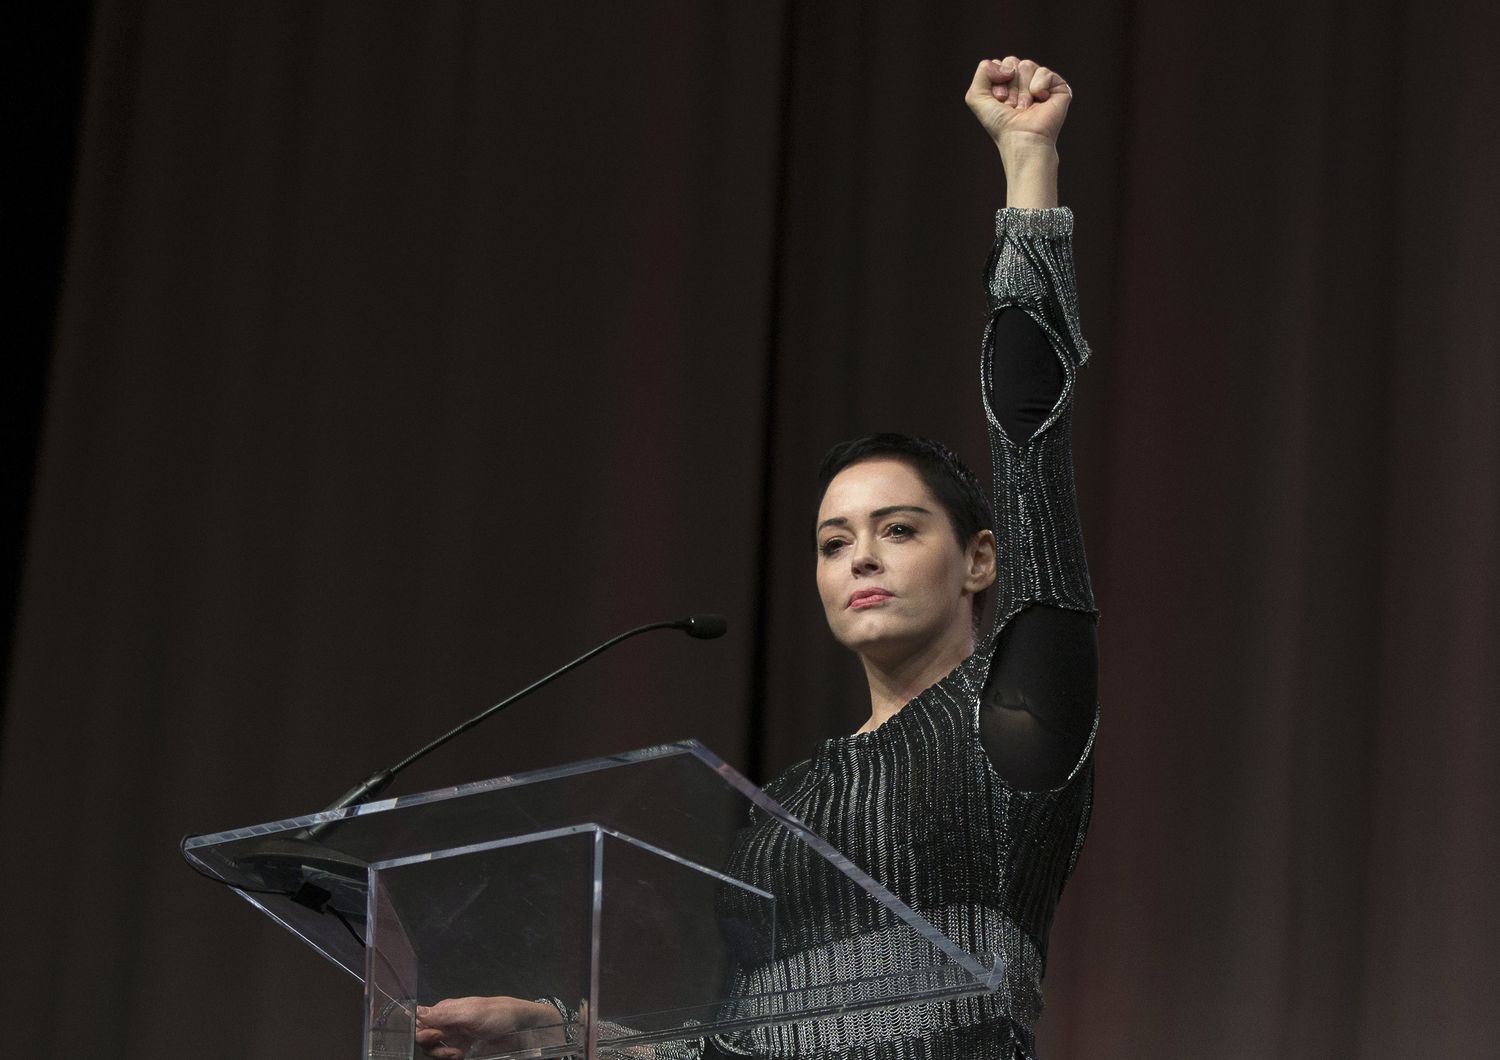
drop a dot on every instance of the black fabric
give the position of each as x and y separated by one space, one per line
1037 711
1026 378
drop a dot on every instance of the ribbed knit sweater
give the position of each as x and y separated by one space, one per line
918 803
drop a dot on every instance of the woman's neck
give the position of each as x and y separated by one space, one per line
895 683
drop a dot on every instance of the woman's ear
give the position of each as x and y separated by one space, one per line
981 557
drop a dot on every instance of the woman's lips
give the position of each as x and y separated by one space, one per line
868 598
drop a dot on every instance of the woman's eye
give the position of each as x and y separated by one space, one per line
832 545
900 530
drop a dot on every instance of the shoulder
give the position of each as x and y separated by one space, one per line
787 780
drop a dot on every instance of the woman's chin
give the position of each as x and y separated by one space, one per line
876 635
889 640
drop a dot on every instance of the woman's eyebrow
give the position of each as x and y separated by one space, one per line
881 513
878 513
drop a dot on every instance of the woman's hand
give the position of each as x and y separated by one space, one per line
448 1029
1022 106
1019 103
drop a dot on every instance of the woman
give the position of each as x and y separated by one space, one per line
967 791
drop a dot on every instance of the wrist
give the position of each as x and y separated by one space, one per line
546 1012
1030 174
551 1013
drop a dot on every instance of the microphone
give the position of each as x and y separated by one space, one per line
704 627
314 875
700 627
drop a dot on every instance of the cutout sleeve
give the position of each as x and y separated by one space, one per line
1038 708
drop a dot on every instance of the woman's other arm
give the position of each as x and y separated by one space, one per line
449 1029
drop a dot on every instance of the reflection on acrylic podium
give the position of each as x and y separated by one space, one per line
611 885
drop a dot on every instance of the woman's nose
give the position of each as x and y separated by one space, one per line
863 559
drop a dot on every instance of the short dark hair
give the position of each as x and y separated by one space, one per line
941 470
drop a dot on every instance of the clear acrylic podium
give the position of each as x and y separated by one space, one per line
608 884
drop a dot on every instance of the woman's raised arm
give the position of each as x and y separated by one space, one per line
1039 704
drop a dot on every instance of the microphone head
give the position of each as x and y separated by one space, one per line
704 627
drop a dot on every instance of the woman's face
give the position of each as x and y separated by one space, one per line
892 576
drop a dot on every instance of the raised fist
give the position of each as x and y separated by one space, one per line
1018 102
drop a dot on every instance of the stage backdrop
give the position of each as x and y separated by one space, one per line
408 350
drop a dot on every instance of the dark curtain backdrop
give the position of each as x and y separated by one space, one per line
405 351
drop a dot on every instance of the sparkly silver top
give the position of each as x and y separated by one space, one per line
916 802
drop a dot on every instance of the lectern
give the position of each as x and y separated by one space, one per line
612 885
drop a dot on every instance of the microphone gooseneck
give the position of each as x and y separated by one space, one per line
701 627
299 866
